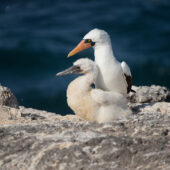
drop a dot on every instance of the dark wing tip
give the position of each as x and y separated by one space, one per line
129 83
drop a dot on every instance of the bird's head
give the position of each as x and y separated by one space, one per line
81 66
94 38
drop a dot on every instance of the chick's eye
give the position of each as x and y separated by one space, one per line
77 67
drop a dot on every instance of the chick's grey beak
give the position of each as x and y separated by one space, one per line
71 70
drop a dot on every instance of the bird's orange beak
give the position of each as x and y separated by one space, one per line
80 47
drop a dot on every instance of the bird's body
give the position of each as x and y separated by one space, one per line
79 99
93 104
112 74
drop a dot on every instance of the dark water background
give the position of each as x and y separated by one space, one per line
36 36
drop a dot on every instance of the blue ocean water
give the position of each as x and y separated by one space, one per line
36 36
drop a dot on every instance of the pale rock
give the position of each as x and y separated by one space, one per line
34 139
7 98
147 94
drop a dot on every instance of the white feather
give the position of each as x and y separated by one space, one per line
111 75
126 69
94 104
108 97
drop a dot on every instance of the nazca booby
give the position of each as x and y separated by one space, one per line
113 75
89 103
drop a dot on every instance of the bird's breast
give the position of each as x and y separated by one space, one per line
113 78
80 101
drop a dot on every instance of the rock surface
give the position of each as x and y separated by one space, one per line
146 94
7 98
33 139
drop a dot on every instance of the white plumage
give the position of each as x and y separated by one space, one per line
93 104
125 68
112 73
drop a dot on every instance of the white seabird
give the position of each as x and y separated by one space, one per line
113 75
89 103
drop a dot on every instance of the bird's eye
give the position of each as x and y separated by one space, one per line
77 67
88 40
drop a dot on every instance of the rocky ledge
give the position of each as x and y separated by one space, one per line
33 139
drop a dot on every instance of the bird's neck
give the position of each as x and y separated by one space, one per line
82 84
104 54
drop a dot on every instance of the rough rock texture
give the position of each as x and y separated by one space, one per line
145 94
33 139
7 98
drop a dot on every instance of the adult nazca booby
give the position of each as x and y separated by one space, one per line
113 75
